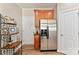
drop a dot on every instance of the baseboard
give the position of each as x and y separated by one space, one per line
60 51
27 44
47 50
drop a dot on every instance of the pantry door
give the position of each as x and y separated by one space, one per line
69 32
28 24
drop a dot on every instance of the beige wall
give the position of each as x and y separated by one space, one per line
13 11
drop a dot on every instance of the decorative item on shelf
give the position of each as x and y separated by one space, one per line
12 21
4 31
7 19
12 29
10 40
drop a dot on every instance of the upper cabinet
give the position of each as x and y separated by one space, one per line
43 14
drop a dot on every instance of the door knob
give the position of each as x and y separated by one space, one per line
61 34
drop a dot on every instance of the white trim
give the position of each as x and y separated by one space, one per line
71 9
60 51
39 8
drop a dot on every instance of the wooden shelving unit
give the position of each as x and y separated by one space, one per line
12 45
11 33
9 23
7 45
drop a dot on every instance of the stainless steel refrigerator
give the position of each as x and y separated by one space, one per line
48 37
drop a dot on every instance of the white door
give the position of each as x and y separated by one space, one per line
28 24
69 32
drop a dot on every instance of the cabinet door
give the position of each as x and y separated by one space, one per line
43 14
36 42
69 32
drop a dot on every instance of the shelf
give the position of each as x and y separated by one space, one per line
14 33
12 45
11 33
9 23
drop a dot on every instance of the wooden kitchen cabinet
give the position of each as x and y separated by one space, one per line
43 14
36 41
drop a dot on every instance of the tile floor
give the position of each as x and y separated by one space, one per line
29 50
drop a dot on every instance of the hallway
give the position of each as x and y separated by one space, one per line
29 50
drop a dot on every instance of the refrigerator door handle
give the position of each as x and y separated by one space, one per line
47 33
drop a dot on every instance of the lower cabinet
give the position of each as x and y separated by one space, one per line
36 41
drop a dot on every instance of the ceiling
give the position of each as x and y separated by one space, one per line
37 5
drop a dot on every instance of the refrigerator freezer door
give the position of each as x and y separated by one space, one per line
43 43
52 42
43 26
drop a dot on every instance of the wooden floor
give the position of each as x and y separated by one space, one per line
29 50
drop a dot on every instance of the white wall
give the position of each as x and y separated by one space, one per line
14 11
28 18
